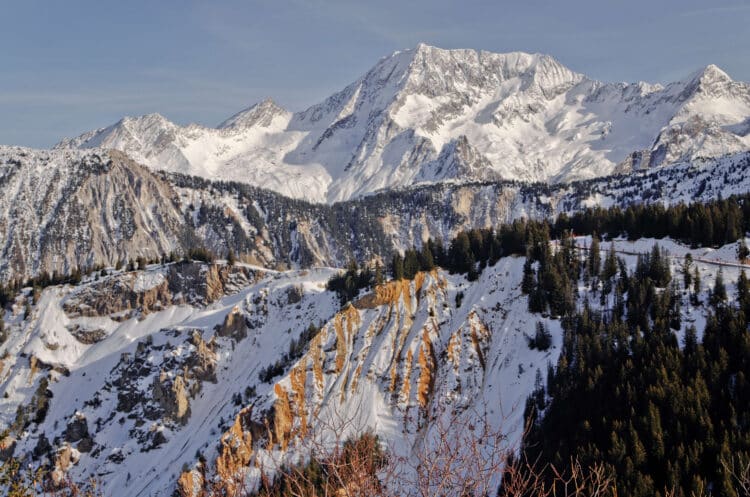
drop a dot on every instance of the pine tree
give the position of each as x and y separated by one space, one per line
742 251
743 292
537 299
542 338
719 292
595 258
397 266
675 301
438 251
659 267
696 286
527 284
461 257
686 266
426 261
411 264
379 278
610 263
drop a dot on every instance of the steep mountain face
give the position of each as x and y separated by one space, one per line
76 209
427 115
61 210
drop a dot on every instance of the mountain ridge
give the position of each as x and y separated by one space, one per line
530 117
66 210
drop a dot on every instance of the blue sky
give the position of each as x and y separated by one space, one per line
74 65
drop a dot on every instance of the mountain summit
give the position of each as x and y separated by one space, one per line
523 117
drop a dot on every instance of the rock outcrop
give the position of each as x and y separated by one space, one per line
123 295
172 396
234 325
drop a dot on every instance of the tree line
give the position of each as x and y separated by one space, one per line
664 419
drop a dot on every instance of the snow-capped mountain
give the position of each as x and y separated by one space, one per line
428 114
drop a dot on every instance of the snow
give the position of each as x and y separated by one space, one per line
467 385
423 115
526 115
147 280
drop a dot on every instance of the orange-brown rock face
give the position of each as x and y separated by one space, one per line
282 417
235 452
344 324
298 380
427 365
190 483
390 340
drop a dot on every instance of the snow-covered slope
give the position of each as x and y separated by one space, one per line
428 114
160 386
138 395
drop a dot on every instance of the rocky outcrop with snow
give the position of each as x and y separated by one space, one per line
68 209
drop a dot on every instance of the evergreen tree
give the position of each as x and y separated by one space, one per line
527 284
686 267
537 299
595 258
542 338
743 292
719 292
696 286
426 261
460 254
438 251
675 301
742 251
397 266
411 264
610 263
379 278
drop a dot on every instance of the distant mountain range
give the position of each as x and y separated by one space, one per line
429 115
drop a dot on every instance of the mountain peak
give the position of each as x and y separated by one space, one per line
713 73
152 118
261 113
709 75
423 47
